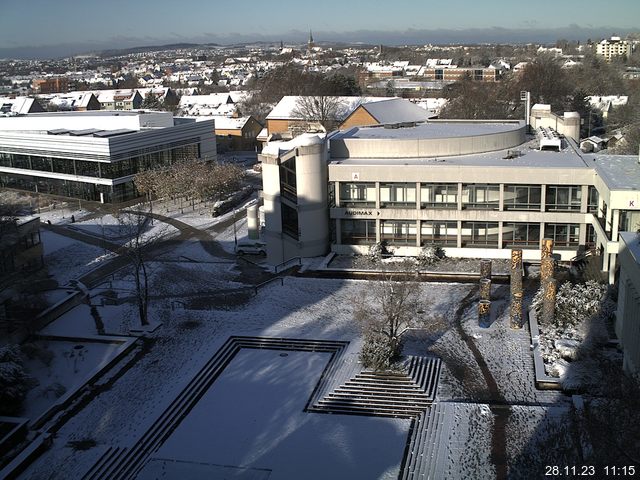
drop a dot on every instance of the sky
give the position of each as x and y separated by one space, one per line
86 25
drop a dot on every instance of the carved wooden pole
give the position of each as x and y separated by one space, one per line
485 289
549 301
515 311
485 268
484 313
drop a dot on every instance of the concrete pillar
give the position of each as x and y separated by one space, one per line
459 196
584 199
253 223
484 313
615 223
543 197
418 196
500 224
501 198
485 268
607 222
485 289
515 311
378 195
337 193
459 239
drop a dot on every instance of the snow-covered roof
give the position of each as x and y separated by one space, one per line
619 172
110 96
17 106
225 123
70 100
396 110
285 108
304 140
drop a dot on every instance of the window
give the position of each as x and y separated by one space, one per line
398 195
564 235
522 197
481 197
358 232
288 185
564 198
290 221
398 232
479 234
357 195
439 74
477 74
444 195
521 234
439 233
592 202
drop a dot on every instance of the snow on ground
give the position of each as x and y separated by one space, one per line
302 308
253 416
65 367
67 259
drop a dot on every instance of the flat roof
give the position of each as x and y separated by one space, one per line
432 129
526 155
619 172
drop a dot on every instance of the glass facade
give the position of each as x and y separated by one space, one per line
564 198
141 160
290 221
357 195
479 234
521 235
522 197
438 233
481 197
358 232
398 195
442 195
288 185
564 235
398 232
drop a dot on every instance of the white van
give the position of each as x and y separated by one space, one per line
251 247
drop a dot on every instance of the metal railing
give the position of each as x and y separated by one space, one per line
286 262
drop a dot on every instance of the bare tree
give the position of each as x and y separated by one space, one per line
384 309
134 225
322 109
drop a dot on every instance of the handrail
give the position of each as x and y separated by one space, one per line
299 260
260 285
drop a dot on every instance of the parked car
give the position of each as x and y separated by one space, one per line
251 247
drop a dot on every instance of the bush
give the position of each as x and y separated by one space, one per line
576 302
378 352
431 254
14 381
378 250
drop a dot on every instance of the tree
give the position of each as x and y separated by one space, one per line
325 110
151 102
384 309
134 227
14 381
547 82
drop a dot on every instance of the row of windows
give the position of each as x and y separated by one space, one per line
69 188
485 234
122 168
473 196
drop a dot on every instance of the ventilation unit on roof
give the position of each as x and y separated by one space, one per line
549 139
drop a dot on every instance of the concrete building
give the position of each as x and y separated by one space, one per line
95 155
50 85
628 314
613 47
235 133
477 188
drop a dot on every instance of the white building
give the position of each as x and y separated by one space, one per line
95 155
614 47
477 188
628 314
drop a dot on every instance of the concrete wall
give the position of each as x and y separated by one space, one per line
628 314
567 125
426 147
